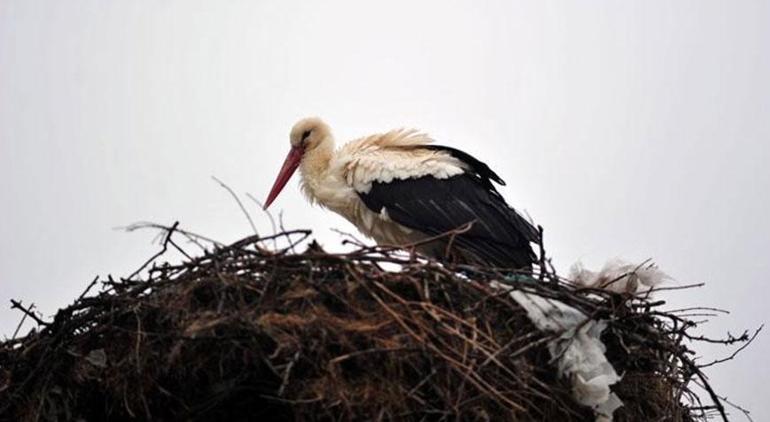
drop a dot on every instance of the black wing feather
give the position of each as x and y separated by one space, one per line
499 235
477 167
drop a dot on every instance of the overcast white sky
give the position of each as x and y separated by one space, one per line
626 128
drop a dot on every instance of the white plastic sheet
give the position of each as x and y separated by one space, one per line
619 276
578 351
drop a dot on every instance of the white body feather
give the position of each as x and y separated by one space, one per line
379 158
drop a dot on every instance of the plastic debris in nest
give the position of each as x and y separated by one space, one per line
619 276
577 350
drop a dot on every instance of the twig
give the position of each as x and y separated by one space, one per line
238 200
453 235
28 311
161 252
735 353
23 318
90 286
542 264
193 237
287 373
260 205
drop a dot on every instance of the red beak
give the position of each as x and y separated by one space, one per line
289 167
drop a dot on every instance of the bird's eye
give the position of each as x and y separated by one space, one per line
305 135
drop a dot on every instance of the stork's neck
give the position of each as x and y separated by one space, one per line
314 165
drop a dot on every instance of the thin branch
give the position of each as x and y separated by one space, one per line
260 205
735 353
21 323
193 237
169 232
28 312
240 204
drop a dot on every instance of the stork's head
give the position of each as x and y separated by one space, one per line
306 136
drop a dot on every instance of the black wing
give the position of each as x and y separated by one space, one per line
499 235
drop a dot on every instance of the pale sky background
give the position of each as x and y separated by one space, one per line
626 128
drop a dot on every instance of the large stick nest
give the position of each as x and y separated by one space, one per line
246 331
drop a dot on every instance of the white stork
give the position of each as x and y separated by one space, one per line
398 189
